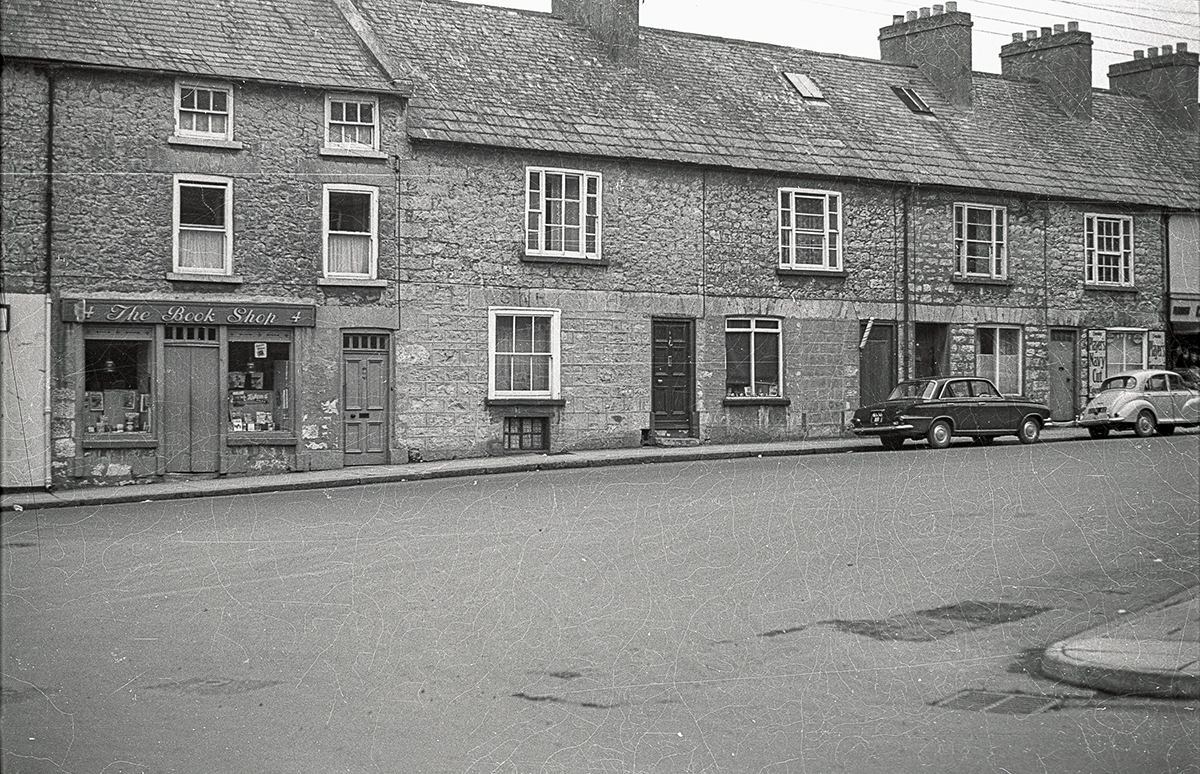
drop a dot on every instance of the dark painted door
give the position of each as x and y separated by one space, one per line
672 365
931 350
876 361
1062 399
192 408
365 403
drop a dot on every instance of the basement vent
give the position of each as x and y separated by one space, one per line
909 96
805 85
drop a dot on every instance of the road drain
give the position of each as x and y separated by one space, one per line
928 625
1001 703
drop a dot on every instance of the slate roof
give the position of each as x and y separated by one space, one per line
307 42
524 80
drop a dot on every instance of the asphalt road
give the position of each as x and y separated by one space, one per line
799 614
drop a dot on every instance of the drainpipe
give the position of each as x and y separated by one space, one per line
47 404
904 277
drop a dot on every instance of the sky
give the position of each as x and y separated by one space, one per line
851 27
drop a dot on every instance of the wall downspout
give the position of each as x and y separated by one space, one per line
906 299
47 404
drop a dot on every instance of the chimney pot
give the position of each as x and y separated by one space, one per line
951 6
1031 35
1181 47
1047 32
1059 29
925 12
1017 37
897 19
911 16
1167 50
938 9
1152 52
1139 54
1072 26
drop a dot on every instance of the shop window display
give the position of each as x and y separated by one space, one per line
116 395
259 395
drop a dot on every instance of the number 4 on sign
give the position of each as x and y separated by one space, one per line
296 317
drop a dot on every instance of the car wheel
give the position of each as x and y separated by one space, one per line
1030 430
984 440
939 434
1144 424
1098 432
892 442
1166 429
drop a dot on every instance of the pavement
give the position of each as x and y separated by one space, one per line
1151 652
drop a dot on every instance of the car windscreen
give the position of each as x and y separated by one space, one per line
921 389
1119 383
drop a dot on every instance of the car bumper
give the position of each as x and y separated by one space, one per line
882 429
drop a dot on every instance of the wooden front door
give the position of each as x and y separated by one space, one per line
672 364
876 361
931 350
1063 380
364 398
192 405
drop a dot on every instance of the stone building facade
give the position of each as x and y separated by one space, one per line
582 234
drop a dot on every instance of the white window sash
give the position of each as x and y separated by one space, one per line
344 126
1104 260
1007 372
550 358
584 232
830 233
996 242
350 254
181 113
201 249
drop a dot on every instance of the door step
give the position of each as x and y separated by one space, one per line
671 438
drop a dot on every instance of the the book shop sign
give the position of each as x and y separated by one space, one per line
171 313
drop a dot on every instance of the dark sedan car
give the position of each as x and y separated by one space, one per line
939 409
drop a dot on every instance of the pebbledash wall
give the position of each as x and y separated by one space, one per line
115 162
701 244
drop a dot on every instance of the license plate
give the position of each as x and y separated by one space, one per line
876 417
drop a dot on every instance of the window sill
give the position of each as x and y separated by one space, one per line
204 142
260 438
964 279
530 401
351 282
120 441
220 279
766 400
536 258
352 153
1110 288
791 271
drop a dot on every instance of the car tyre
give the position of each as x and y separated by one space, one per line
892 442
1098 432
1030 430
1166 429
1144 425
939 434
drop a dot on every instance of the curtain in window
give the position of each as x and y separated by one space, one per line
201 249
349 254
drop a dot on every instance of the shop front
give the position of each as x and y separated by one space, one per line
182 388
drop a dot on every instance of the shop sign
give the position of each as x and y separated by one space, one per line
169 313
1097 358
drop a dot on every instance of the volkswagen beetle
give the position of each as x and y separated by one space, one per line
1144 401
939 409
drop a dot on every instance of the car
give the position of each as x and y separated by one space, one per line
1144 401
940 408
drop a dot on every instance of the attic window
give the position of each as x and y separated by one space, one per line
909 96
805 85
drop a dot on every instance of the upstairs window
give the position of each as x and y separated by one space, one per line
351 122
204 111
980 233
753 357
523 353
1108 250
562 213
203 225
351 233
810 229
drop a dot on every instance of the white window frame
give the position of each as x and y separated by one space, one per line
535 213
326 232
1109 367
997 244
360 99
206 181
759 326
555 316
211 86
994 377
1092 253
831 233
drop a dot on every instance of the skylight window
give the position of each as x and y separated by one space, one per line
909 96
805 85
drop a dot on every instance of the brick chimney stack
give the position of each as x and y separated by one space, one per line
1059 59
938 43
1169 79
615 23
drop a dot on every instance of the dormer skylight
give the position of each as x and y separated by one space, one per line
805 85
908 95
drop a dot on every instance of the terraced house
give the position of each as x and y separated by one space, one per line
346 233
